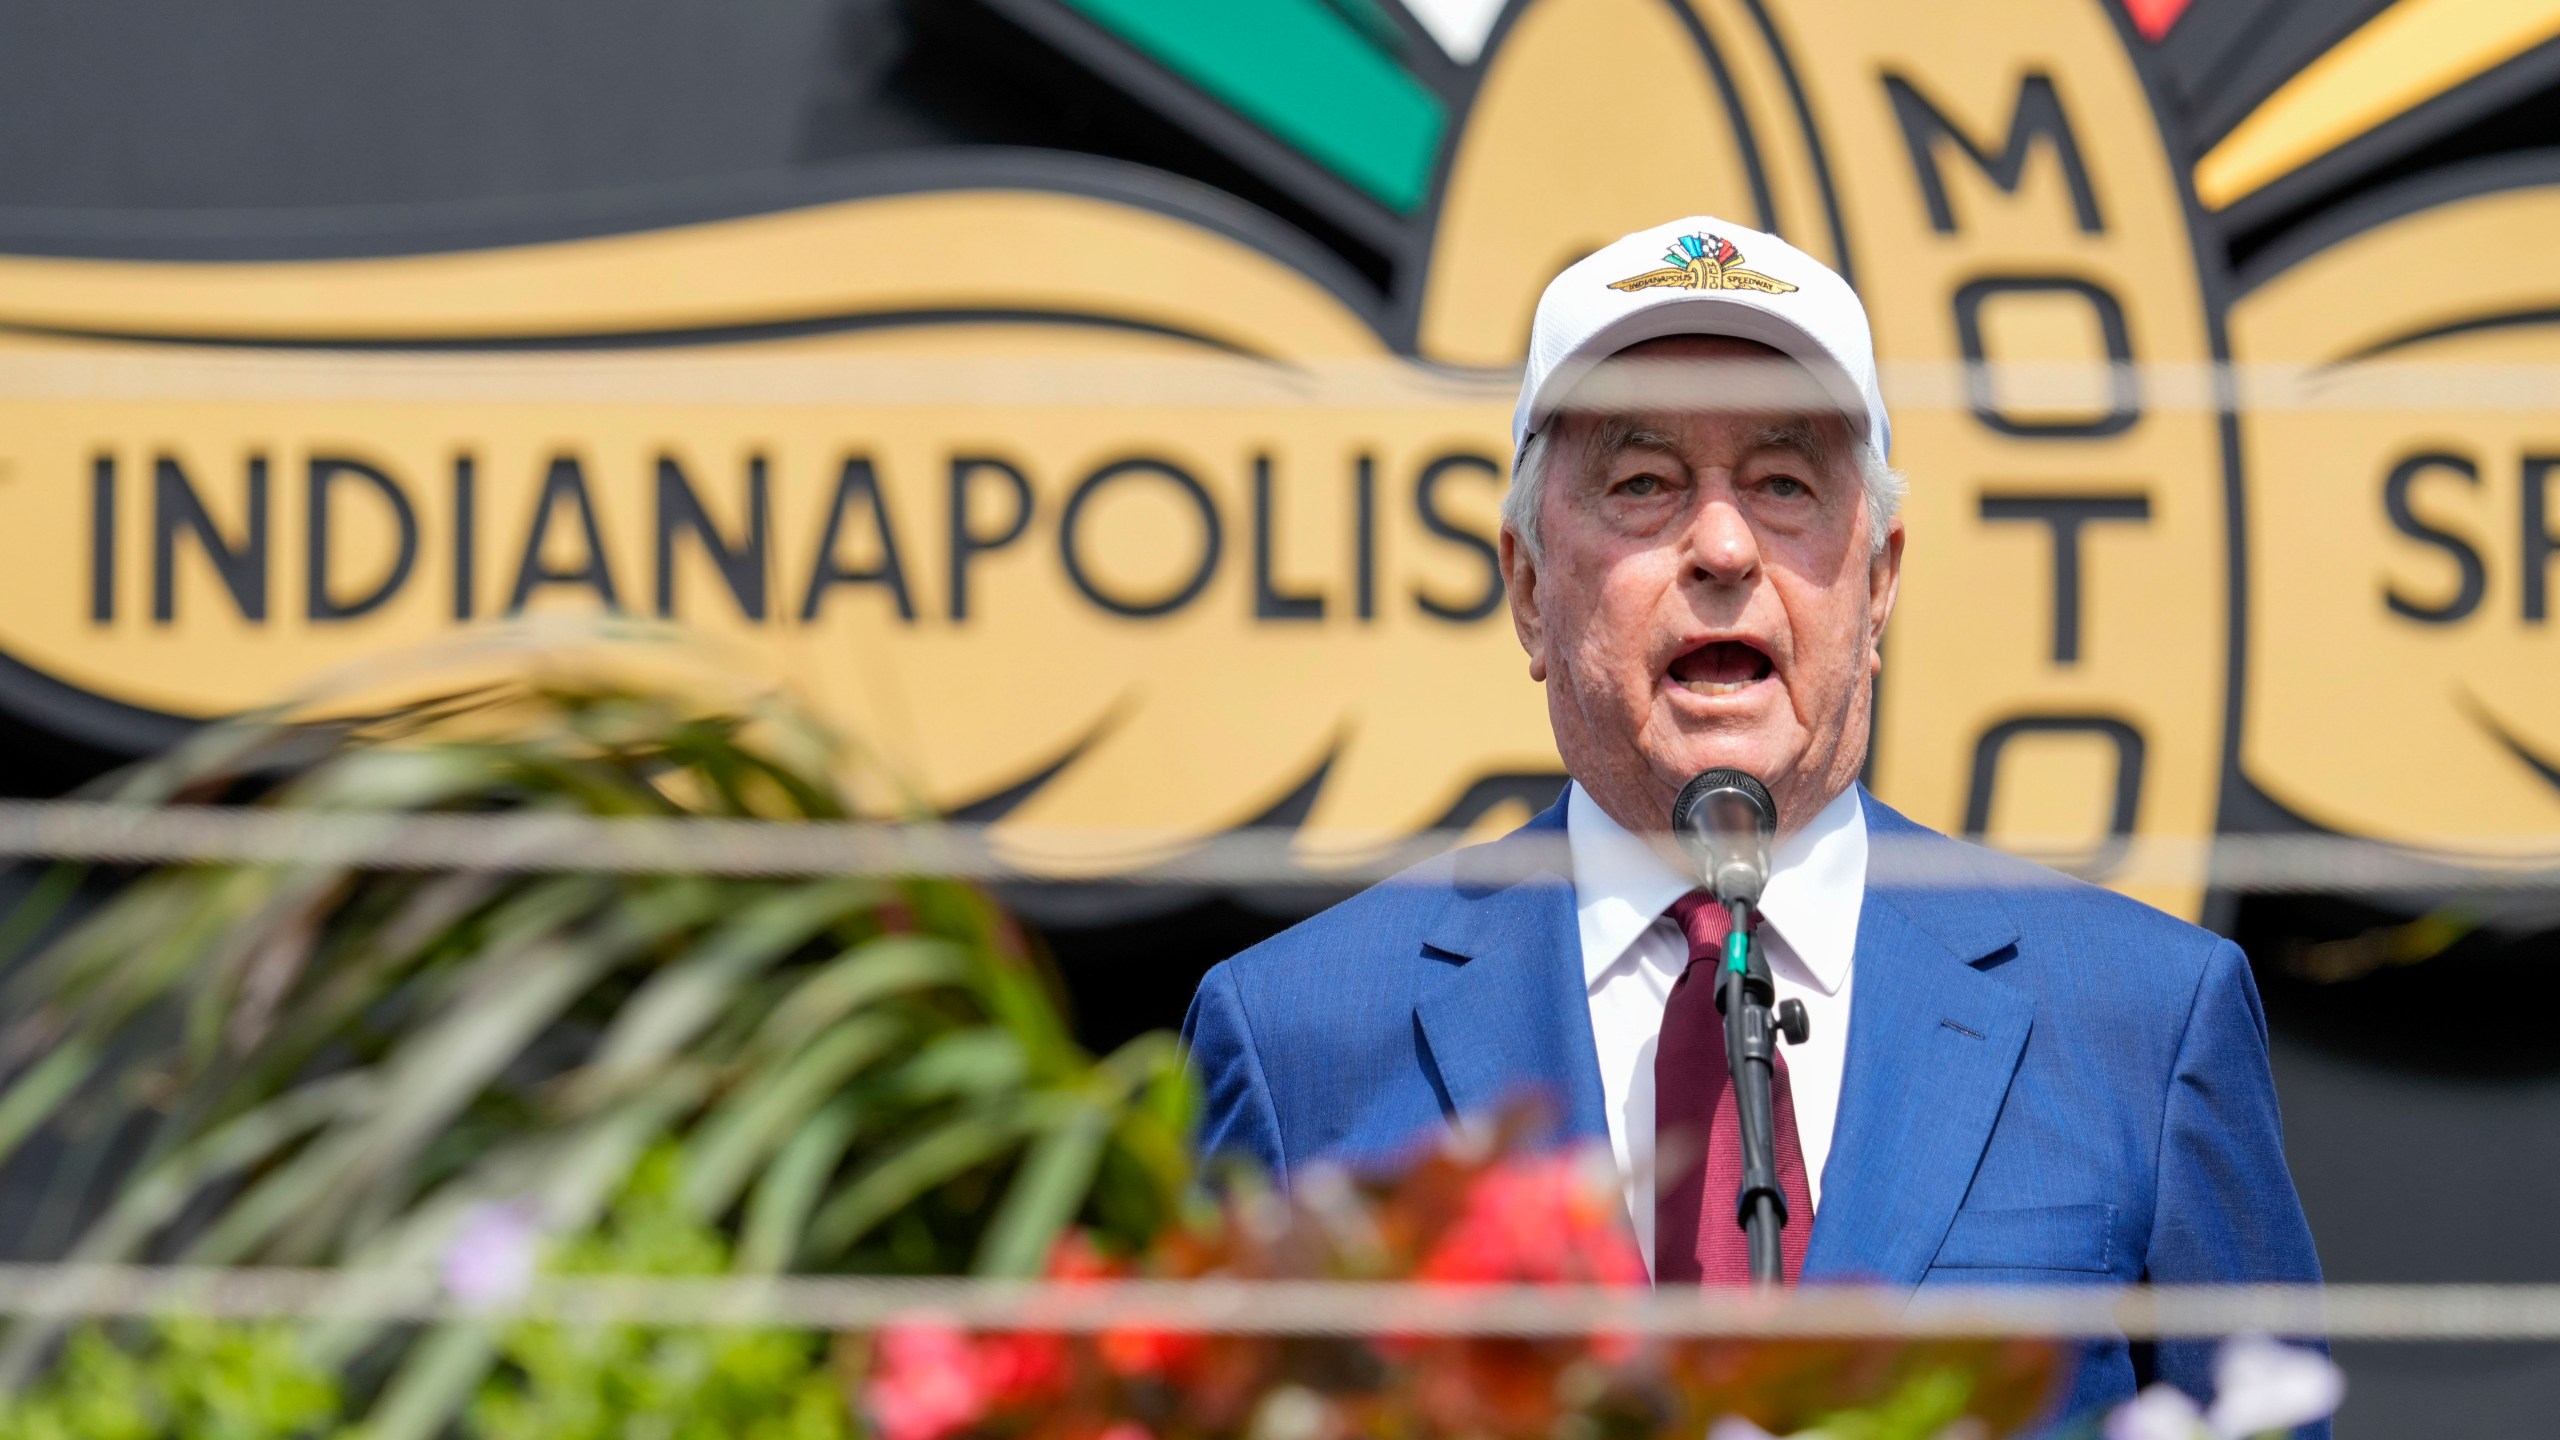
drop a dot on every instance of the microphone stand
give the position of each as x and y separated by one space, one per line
1751 1051
1726 821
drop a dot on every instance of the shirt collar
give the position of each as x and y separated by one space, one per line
1817 883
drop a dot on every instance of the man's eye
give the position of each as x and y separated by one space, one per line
1640 485
1786 486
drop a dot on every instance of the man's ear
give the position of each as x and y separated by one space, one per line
1884 584
1520 584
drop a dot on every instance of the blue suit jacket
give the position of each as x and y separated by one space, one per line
2046 1083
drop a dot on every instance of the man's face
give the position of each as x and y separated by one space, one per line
1705 592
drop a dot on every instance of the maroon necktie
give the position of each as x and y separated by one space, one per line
1697 1140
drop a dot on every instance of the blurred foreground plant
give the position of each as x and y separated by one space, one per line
320 1064
1497 1213
482 1074
609 1382
181 1380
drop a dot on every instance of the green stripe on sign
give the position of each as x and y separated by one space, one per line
1300 70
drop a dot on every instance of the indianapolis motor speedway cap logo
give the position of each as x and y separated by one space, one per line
1704 262
1100 502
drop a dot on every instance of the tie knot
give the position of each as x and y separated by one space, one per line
1705 922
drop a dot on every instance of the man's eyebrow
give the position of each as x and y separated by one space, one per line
1800 436
1617 435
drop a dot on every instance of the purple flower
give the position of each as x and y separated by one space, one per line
489 1261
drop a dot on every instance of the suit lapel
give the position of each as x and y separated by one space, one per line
1506 1012
1933 1043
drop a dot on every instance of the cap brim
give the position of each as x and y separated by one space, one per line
1702 314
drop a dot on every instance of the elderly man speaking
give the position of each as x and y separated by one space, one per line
2008 1077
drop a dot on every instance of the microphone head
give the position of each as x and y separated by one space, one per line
1726 820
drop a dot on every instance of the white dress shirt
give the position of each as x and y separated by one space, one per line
1632 954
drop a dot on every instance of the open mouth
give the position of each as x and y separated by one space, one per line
1722 667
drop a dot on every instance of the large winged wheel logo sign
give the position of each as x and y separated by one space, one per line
1103 501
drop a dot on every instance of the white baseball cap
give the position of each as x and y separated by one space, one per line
1701 276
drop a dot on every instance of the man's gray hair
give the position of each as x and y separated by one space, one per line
1885 488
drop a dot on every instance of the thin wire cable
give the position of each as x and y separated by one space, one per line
1157 383
2509 1313
117 834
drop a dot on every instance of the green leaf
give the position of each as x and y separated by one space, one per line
36 909
432 1384
568 1177
682 1000
158 1194
276 931
509 994
1045 1194
431 1076
737 1135
162 1191
947 1150
863 975
32 1098
964 1062
778 1210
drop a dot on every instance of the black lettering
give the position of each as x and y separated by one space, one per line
2475 574
965 542
1211 539
466 534
2124 388
857 479
564 482
1269 601
242 568
2539 542
2064 515
102 538
2128 791
1426 504
741 566
2036 116
1364 547
321 478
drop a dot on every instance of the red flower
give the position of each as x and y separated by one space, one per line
1132 1353
1126 1352
924 1383
1545 1220
1014 1369
1074 1257
930 1380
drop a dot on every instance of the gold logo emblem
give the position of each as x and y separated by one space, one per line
225 480
1704 262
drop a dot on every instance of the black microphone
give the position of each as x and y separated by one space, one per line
1725 820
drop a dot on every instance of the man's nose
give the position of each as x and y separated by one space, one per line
1722 547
